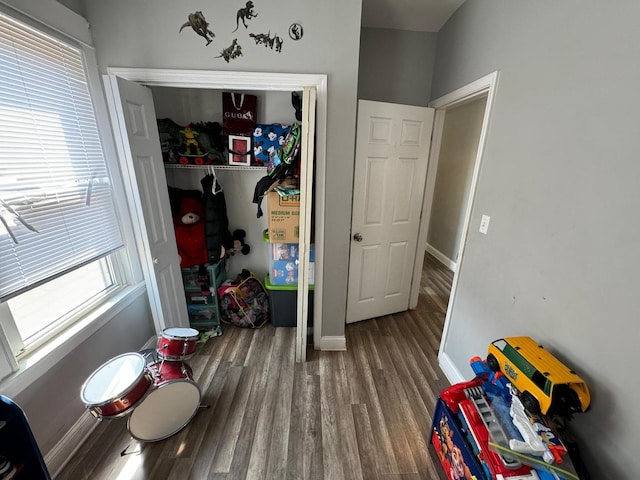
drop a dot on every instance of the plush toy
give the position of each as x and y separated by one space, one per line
188 224
238 243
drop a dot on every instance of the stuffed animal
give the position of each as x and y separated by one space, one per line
189 227
238 243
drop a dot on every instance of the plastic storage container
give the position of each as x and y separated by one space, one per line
202 298
283 262
283 303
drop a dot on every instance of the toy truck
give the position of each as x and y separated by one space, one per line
546 385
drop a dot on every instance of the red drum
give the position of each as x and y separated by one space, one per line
172 403
117 386
177 343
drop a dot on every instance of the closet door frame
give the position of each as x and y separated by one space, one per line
314 131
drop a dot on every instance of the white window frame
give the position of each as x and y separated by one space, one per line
57 326
18 372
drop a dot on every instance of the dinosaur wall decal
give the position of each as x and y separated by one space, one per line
268 41
245 14
199 24
232 51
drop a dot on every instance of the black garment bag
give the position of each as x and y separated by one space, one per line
216 228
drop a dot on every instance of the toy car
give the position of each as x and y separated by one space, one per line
547 386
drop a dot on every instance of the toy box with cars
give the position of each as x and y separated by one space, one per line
482 429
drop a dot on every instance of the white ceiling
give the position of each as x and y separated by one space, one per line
414 15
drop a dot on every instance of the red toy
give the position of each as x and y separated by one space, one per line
189 227
480 437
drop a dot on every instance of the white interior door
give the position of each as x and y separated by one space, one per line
392 150
136 134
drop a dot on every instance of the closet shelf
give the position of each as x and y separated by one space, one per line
217 167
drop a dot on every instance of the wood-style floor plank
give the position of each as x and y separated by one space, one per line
279 443
259 458
360 414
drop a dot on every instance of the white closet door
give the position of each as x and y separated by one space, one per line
306 189
136 134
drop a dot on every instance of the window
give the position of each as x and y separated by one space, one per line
45 310
58 227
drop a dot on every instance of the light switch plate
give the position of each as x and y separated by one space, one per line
484 224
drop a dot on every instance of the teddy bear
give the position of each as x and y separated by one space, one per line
188 224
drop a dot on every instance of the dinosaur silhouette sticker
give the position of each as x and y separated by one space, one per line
199 25
232 51
268 41
245 14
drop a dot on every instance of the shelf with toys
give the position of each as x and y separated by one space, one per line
217 167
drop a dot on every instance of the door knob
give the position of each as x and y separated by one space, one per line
357 237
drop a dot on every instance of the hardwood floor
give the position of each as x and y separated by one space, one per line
360 414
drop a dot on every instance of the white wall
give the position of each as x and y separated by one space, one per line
560 180
74 5
145 33
458 150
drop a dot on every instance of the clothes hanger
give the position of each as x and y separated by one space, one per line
215 186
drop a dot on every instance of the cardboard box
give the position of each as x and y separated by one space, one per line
284 218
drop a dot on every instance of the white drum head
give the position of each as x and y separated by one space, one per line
113 379
180 332
165 411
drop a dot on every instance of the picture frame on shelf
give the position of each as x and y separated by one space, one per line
239 150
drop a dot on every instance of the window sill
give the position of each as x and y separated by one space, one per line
38 363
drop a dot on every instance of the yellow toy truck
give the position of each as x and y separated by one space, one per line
547 386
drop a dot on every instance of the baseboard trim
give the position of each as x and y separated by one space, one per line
442 258
61 453
151 343
336 343
450 370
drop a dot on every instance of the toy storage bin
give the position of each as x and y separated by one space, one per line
202 300
453 450
283 303
204 317
217 275
283 262
192 281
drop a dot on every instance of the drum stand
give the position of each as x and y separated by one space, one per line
137 452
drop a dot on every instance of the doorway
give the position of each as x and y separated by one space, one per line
482 88
456 159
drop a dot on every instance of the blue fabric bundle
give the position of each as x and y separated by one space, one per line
267 138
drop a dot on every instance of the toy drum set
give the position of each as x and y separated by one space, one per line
159 398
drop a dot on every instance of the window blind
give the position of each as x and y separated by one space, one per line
56 205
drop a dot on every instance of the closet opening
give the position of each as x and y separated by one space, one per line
187 97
